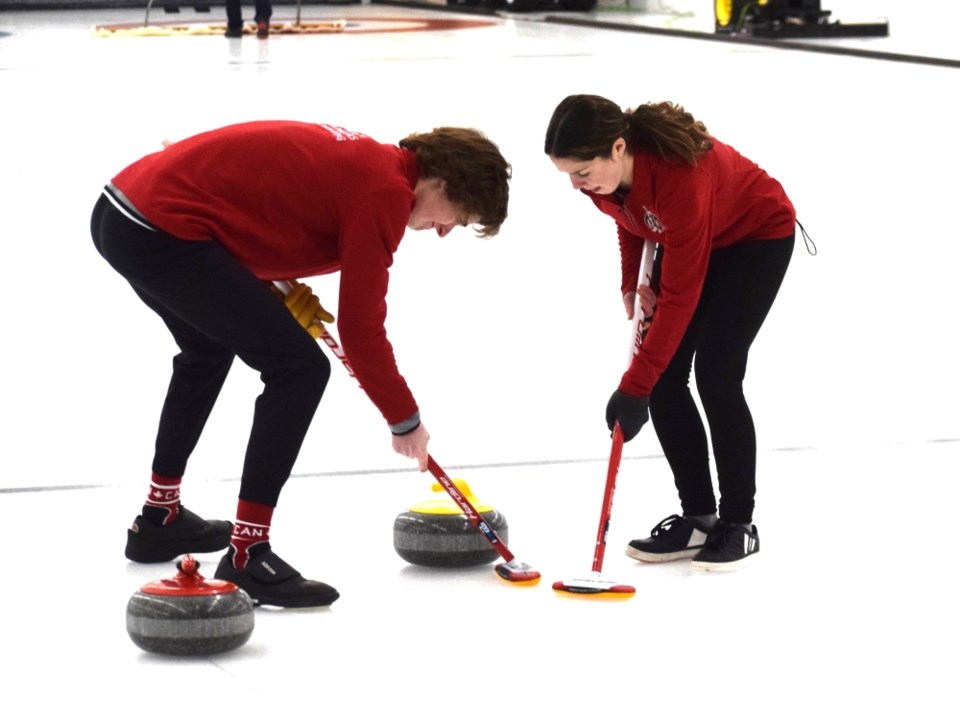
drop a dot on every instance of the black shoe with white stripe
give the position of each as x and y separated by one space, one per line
728 547
675 537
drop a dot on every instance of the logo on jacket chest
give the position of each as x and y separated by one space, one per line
341 134
652 221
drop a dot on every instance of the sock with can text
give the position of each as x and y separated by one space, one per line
251 528
163 501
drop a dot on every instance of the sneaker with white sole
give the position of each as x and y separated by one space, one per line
728 548
675 537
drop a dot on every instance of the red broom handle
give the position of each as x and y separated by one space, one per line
442 478
616 451
613 469
469 511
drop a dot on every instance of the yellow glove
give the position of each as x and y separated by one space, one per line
306 308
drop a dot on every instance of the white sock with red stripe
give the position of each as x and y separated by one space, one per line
163 500
251 528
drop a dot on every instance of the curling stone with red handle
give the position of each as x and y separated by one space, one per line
188 615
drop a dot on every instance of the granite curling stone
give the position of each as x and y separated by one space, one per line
188 615
437 533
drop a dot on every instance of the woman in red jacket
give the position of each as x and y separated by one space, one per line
201 228
724 231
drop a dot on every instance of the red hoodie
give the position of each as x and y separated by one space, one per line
293 200
691 211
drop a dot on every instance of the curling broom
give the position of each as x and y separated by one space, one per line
595 585
511 569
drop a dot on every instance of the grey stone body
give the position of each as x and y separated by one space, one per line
446 540
190 625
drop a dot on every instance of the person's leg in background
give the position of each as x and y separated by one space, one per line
234 19
264 11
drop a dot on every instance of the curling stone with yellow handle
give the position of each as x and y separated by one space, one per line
436 532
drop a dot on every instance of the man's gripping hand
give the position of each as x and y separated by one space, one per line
306 308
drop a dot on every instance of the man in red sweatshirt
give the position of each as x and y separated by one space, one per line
202 228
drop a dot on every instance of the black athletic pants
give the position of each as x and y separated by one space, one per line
263 10
216 309
741 284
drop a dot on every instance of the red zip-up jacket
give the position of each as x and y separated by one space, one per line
293 200
691 210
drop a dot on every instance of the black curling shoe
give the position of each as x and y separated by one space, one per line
271 581
149 542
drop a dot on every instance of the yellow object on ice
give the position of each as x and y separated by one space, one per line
446 506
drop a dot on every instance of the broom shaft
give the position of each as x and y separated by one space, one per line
449 486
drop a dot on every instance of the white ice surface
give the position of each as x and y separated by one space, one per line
511 346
